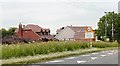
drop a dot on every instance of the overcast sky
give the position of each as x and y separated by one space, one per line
54 14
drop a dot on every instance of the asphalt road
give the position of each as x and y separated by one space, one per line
103 57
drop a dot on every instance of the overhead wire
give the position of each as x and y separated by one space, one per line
84 5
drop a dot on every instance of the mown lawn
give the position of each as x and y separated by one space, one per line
22 50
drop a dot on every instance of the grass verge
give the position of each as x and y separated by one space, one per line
33 49
46 57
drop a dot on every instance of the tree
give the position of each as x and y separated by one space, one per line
109 18
5 33
11 31
117 28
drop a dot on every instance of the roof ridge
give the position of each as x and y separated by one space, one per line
79 26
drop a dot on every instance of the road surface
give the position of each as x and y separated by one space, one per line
103 57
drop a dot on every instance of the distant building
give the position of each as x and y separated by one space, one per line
74 33
33 32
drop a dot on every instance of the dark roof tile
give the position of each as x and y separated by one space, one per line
78 28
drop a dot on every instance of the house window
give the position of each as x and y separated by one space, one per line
89 29
71 39
82 30
64 39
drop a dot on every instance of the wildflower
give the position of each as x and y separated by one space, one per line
6 45
14 45
33 41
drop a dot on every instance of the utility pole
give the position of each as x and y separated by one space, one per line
113 26
106 25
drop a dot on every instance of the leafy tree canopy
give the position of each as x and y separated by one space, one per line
8 32
107 21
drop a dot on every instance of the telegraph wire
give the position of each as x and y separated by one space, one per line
83 5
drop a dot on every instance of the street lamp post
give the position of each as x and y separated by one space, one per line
113 26
105 25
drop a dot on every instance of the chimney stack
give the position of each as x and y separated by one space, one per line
23 26
20 31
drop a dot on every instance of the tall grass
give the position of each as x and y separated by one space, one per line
21 50
105 44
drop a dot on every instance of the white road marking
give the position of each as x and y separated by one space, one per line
93 58
94 53
113 51
103 52
116 52
103 55
85 55
55 61
81 61
70 58
110 53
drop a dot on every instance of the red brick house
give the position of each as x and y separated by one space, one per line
81 33
33 32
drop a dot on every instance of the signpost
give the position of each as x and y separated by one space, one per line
90 36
